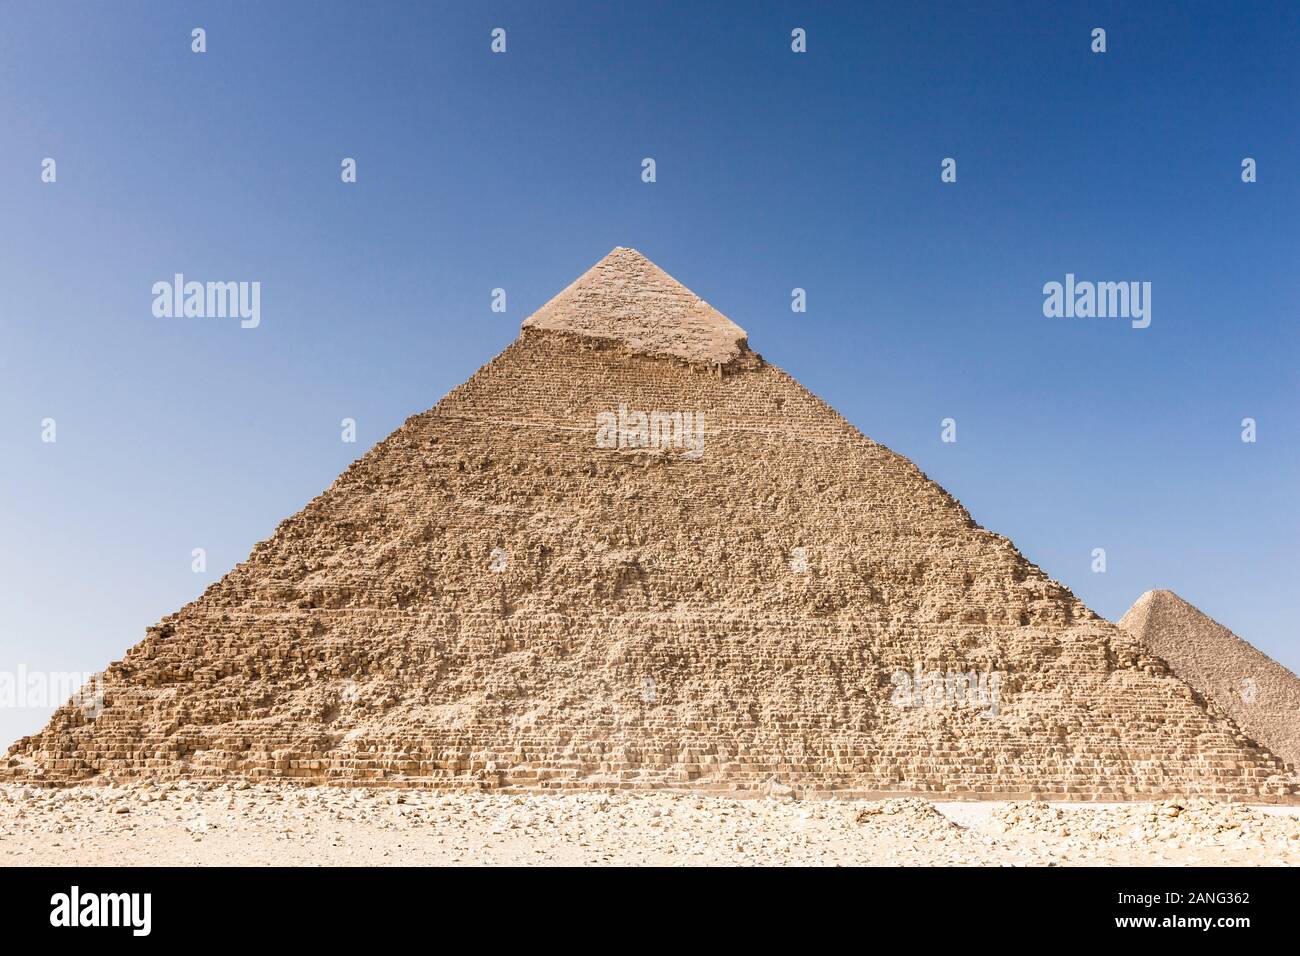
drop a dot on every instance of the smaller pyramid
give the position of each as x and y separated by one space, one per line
628 299
1261 695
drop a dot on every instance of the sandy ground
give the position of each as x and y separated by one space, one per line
195 824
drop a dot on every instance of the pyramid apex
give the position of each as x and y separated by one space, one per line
1159 594
1155 597
627 298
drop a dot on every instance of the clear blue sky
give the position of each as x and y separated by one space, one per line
775 170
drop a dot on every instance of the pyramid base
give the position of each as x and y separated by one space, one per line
1223 784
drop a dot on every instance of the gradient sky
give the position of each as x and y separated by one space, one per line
520 170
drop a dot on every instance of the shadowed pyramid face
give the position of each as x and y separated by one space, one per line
494 596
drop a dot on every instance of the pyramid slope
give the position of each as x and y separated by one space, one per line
628 299
490 598
1261 695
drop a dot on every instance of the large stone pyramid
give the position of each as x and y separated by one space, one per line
1261 695
549 580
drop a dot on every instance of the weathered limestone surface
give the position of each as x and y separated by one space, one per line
1261 695
488 599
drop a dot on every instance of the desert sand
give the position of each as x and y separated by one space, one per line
241 824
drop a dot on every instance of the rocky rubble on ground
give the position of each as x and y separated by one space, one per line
1194 823
912 811
194 823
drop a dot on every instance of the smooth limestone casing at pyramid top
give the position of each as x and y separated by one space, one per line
489 599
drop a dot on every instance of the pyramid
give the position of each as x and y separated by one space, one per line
627 298
628 552
1261 695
